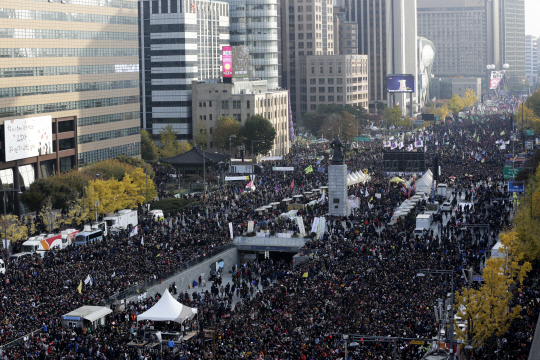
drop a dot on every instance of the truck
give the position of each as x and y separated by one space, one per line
423 221
123 220
442 189
45 242
102 225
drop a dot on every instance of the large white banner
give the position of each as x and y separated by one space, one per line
236 178
283 168
231 230
29 137
301 226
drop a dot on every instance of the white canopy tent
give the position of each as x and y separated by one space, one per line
168 309
425 183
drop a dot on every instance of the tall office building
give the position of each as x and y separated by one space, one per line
307 30
387 34
179 41
73 59
345 33
531 60
512 36
465 34
256 24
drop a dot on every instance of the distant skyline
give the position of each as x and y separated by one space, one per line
532 23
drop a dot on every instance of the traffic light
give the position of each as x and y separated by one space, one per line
436 168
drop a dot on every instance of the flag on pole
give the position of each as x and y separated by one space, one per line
79 288
309 169
292 184
88 280
142 240
134 231
503 132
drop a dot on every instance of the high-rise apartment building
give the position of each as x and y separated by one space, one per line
531 60
465 34
307 30
336 79
73 59
180 41
387 34
512 36
256 24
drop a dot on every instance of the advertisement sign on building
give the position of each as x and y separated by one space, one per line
29 137
227 62
240 61
400 83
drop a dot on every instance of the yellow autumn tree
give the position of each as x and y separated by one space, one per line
470 98
13 227
135 187
75 213
526 118
491 310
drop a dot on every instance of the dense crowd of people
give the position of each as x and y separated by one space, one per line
361 277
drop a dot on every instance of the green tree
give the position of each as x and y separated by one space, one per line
349 126
41 190
149 149
313 121
381 107
200 135
227 126
455 105
169 145
355 110
392 116
526 118
138 163
258 128
330 126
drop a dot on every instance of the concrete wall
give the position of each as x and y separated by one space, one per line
230 257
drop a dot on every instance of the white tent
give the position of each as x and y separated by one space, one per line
168 309
425 183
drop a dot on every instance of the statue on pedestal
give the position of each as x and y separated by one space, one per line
337 146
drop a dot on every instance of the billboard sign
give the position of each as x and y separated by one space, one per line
24 138
227 61
509 172
400 83
240 61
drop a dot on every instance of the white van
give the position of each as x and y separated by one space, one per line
156 214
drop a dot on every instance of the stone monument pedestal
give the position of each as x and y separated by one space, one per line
338 200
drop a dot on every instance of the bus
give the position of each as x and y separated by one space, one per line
88 237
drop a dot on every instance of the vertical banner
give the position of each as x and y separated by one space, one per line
227 61
231 230
251 225
300 222
496 77
315 225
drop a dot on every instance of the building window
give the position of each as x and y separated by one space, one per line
313 69
247 104
313 89
313 98
321 89
209 104
321 81
321 98
224 104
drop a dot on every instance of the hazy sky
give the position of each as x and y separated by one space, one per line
532 21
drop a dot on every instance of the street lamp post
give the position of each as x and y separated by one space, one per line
254 141
5 212
451 272
96 204
83 189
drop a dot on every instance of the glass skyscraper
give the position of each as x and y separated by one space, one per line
256 23
74 58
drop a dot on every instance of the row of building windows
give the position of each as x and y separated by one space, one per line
109 118
65 52
67 88
67 70
66 34
89 157
106 135
67 105
104 3
66 16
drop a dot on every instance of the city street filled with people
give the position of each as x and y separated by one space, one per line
361 276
